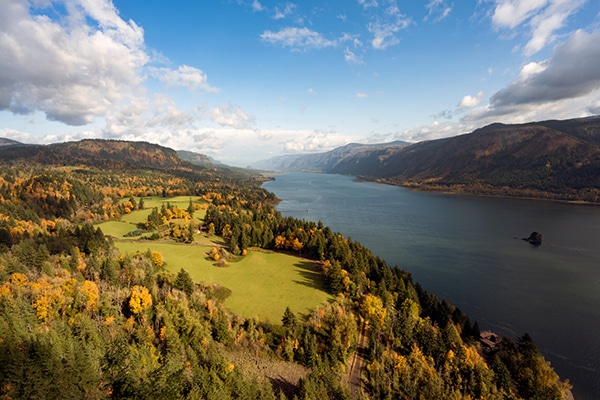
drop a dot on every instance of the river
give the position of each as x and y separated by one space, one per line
466 249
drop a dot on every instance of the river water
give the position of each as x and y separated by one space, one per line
466 249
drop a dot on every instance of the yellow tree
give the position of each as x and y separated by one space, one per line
297 245
157 259
280 242
374 310
140 299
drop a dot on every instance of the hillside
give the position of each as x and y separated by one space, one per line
5 142
195 158
549 159
324 162
81 319
95 152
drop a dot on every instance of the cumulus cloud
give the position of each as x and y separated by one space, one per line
362 95
542 17
434 131
230 116
572 71
297 38
69 70
563 86
185 76
470 101
312 141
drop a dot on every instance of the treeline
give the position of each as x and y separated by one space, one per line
419 347
79 320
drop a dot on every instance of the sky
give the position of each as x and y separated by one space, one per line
247 80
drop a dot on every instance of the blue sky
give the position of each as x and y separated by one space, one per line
245 80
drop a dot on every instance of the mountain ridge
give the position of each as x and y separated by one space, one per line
555 159
101 153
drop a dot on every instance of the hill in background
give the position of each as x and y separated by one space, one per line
551 159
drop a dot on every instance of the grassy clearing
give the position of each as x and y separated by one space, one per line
128 222
116 228
263 283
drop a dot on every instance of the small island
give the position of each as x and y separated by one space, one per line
535 238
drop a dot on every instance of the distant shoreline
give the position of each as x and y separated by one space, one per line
479 190
484 191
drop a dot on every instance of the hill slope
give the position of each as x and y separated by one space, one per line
559 159
99 153
549 159
324 162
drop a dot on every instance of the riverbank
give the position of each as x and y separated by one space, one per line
482 190
462 249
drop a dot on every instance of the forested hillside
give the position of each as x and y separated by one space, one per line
549 159
78 319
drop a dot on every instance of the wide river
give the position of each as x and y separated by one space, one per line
464 249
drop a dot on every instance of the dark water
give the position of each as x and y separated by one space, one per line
463 249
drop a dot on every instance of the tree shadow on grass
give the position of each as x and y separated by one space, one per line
282 385
311 275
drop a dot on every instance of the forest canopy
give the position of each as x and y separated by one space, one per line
78 319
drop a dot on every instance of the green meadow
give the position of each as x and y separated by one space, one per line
263 283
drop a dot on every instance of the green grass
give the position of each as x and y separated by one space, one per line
116 228
128 222
263 283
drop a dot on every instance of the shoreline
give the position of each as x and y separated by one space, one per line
491 192
482 191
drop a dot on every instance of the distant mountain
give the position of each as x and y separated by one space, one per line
556 159
5 142
113 154
549 159
324 162
195 158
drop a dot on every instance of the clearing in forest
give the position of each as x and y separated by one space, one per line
262 283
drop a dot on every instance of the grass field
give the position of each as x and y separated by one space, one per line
128 222
263 283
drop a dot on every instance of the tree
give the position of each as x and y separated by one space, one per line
297 245
157 259
140 299
191 208
184 282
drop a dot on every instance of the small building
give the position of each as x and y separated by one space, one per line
489 340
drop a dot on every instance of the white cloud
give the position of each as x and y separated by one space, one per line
362 95
351 57
284 11
19 136
256 6
298 38
311 91
368 3
470 101
311 141
230 116
184 76
438 9
542 17
566 85
386 25
69 70
571 72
